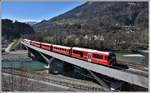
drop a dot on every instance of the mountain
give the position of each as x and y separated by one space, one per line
99 16
113 22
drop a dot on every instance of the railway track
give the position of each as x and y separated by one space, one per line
134 65
80 85
135 68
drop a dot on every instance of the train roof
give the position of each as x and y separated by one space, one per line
27 39
46 43
35 41
90 50
62 46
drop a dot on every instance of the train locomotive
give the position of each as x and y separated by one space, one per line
90 55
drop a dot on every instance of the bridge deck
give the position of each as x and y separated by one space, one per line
133 78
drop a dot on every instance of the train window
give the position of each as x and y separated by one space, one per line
97 56
112 57
78 52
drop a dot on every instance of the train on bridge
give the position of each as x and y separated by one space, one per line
90 55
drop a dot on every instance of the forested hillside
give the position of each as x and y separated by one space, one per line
99 25
12 30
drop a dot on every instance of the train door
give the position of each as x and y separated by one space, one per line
89 56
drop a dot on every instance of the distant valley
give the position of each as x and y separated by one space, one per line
31 23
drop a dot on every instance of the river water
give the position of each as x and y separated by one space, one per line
28 65
131 57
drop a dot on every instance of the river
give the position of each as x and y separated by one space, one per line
28 65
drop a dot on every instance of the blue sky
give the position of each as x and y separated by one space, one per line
36 11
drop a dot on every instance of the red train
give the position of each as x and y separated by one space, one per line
94 56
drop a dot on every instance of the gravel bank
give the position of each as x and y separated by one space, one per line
19 83
71 83
18 55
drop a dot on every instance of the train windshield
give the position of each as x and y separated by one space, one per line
112 58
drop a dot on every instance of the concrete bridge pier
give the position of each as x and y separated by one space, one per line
48 60
68 67
30 54
56 66
33 54
51 64
36 56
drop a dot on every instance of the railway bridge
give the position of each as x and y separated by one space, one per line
121 75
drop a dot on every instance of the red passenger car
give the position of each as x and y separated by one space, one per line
36 44
61 49
104 58
94 56
46 46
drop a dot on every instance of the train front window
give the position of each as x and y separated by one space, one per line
106 58
112 57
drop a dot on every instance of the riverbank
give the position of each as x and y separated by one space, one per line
18 55
19 60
